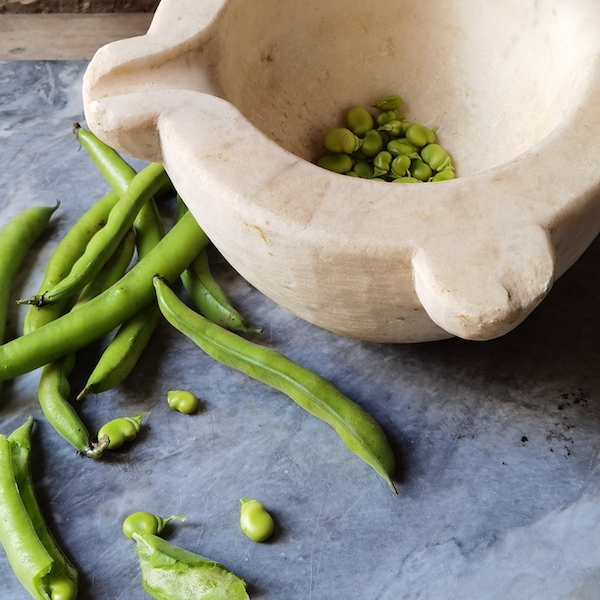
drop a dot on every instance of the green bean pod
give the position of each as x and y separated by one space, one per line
104 243
20 440
315 394
388 102
108 161
63 258
114 268
53 386
32 552
77 329
123 352
16 238
173 573
53 397
209 297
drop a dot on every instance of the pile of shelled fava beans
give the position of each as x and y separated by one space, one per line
385 147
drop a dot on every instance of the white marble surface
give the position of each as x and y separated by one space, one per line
497 442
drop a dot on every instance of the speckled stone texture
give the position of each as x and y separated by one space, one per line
497 442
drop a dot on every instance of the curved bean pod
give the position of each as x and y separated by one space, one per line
76 329
20 440
23 532
53 397
16 238
209 297
122 354
53 385
104 243
63 258
357 429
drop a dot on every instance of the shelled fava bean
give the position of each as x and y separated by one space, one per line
385 147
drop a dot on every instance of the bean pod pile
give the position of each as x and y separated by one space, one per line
113 274
385 147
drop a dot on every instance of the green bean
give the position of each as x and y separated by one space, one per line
358 430
16 238
443 175
146 522
419 135
407 179
182 401
388 102
210 299
436 157
400 166
172 573
364 170
338 163
359 120
341 140
401 146
255 521
392 127
120 430
419 169
103 244
382 163
63 258
372 143
37 561
107 311
387 116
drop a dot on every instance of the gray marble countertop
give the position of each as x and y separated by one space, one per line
497 442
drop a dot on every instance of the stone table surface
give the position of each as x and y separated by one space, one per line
497 442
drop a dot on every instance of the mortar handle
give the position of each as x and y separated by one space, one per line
483 290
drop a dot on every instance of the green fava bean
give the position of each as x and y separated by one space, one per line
407 179
388 102
400 165
393 128
382 163
385 117
255 521
359 120
338 163
435 156
420 170
372 143
182 401
120 430
350 174
401 146
363 169
62 588
147 522
419 135
341 139
444 175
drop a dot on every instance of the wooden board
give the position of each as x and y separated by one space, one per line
65 36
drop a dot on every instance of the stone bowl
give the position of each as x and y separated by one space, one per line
234 96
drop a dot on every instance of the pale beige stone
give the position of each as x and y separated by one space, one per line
234 97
